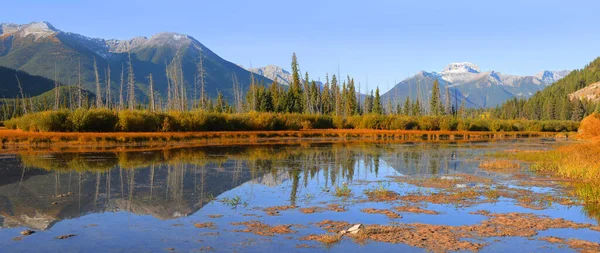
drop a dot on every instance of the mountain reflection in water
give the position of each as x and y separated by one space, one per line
38 190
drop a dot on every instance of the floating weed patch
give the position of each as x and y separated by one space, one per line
500 165
343 191
326 239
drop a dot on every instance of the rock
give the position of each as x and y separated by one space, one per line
55 203
343 232
356 229
450 178
62 237
27 232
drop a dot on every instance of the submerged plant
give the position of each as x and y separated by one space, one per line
233 202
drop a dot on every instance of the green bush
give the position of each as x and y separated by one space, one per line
140 121
103 120
93 120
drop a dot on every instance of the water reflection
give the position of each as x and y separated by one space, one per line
38 190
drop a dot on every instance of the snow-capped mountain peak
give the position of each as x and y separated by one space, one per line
549 77
461 67
37 29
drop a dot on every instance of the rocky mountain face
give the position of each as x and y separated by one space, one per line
467 82
590 92
275 73
278 73
40 49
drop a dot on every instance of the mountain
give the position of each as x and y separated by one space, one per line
36 48
32 85
478 89
278 73
275 73
556 101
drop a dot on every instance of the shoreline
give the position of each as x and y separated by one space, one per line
17 141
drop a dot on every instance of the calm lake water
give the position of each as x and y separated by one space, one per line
150 201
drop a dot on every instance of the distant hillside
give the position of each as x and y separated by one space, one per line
32 85
45 101
554 102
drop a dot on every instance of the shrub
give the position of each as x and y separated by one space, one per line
140 121
448 123
590 126
429 123
53 121
93 120
103 120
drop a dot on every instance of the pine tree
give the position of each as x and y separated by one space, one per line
294 95
337 97
406 107
326 98
377 109
435 104
578 110
351 101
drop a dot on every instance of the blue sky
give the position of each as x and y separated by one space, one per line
383 40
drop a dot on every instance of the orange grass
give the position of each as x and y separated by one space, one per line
19 140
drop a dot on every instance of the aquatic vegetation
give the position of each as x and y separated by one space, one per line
388 213
492 194
343 191
258 228
324 238
499 165
233 202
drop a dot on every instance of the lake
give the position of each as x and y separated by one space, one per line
412 197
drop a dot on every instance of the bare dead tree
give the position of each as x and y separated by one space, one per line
183 98
169 93
121 99
56 89
79 85
152 102
201 75
131 85
108 87
98 88
22 95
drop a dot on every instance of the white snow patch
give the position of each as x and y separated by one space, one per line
177 36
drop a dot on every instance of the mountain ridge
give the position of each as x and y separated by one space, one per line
479 88
36 48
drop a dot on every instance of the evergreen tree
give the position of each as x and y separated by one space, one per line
326 98
416 108
337 97
294 99
407 109
377 109
351 102
578 110
435 103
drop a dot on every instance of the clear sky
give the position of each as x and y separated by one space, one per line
382 40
